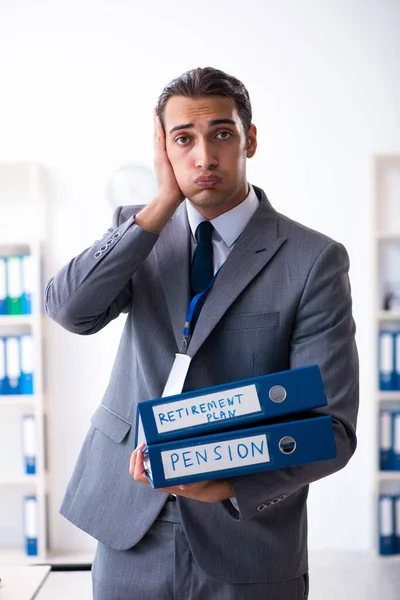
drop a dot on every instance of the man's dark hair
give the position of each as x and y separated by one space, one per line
208 81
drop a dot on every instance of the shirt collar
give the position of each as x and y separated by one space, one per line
230 224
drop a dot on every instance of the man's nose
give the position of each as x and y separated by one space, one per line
205 155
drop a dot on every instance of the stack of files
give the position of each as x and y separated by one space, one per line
389 439
389 360
16 284
29 444
389 524
236 429
16 364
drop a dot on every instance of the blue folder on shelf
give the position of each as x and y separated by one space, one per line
30 521
386 524
240 452
13 365
396 501
386 455
396 440
3 285
27 283
3 380
26 362
29 444
386 360
396 384
234 404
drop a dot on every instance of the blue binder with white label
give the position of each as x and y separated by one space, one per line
234 404
3 286
3 380
29 444
386 455
386 360
30 521
386 524
13 365
26 362
28 283
240 452
396 440
396 501
396 383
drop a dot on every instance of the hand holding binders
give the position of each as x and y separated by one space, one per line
230 405
226 454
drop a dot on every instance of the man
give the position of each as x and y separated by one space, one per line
281 300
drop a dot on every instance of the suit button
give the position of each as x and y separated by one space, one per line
261 507
103 248
109 242
275 500
98 254
282 497
270 503
117 234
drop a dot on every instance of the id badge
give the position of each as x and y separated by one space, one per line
177 376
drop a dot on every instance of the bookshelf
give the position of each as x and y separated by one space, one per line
23 225
387 306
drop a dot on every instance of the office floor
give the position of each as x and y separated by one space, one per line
333 576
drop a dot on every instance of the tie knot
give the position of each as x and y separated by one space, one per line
204 232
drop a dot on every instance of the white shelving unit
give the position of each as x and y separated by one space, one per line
23 214
386 275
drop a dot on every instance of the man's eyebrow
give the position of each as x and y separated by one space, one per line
211 123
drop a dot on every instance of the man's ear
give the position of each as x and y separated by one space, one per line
251 141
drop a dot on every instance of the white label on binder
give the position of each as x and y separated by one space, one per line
26 353
12 354
397 515
2 358
14 276
396 434
386 430
206 408
386 511
28 274
29 435
30 510
217 456
3 292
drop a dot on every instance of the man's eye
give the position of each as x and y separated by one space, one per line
224 135
182 140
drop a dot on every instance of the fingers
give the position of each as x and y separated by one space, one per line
136 465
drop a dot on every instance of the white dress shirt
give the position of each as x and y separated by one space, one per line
227 229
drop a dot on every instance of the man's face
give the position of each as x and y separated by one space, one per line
207 148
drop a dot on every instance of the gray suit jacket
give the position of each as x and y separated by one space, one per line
282 300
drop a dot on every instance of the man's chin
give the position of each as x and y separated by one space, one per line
209 197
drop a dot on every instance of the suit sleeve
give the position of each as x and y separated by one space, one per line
95 286
324 334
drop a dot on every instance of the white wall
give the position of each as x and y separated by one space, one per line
78 81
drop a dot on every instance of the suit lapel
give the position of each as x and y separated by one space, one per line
173 257
253 250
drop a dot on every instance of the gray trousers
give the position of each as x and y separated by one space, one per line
161 567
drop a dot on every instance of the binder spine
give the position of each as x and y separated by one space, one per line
396 501
14 285
396 440
3 286
28 276
31 525
386 457
397 361
386 360
386 525
3 380
13 366
29 444
26 380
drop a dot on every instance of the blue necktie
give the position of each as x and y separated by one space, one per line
202 268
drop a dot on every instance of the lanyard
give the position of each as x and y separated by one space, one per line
192 307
